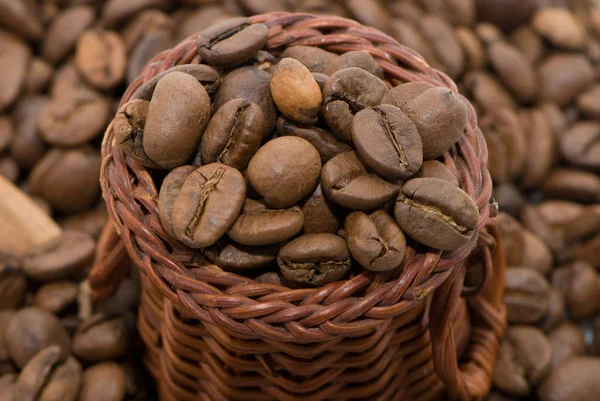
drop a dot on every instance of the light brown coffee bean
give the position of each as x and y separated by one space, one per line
580 145
284 171
563 76
526 295
105 381
514 69
55 297
536 254
347 181
505 13
313 58
177 117
561 27
557 311
14 60
579 287
90 221
436 213
408 34
100 338
101 58
64 30
574 380
239 258
169 191
375 240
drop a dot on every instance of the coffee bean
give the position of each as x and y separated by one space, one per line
14 59
526 295
55 297
169 190
563 76
540 142
436 169
387 141
209 201
197 20
39 75
346 181
320 214
514 70
258 225
22 18
574 380
207 76
13 282
561 27
284 171
114 11
358 59
347 92
536 254
436 213
233 134
400 95
589 102
488 33
440 117
408 34
269 278
241 258
32 329
27 146
529 43
9 169
580 145
512 234
252 84
48 375
68 178
90 221
101 337
314 259
8 382
231 42
567 341
506 14
101 58
370 12
59 259
524 361
475 57
577 282
295 92
509 197
486 91
128 126
7 132
105 381
313 58
577 185
375 240
6 365
557 311
443 41
149 46
64 31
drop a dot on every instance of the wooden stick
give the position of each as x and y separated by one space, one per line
23 224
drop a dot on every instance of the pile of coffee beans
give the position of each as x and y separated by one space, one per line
530 67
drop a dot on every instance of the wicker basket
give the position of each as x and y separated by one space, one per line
417 333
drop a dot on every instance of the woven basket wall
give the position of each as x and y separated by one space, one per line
416 333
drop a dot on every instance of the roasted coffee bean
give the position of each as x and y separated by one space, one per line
207 76
540 142
241 258
68 179
8 382
408 34
177 117
578 284
129 126
574 380
14 59
486 91
444 44
64 31
49 376
557 311
375 240
258 225
233 134
524 361
314 259
370 12
105 381
191 21
6 365
13 282
231 42
169 190
22 18
295 92
346 180
436 169
563 76
27 146
536 254
90 221
358 59
284 171
55 297
387 141
149 46
62 258
252 84
32 329
209 201
269 278
440 117
580 145
313 58
572 184
529 43
9 169
475 57
320 214
589 102
567 341
101 58
400 95
101 337
436 213
561 27
512 234
7 132
488 33
39 75
506 14
346 93
526 295
514 70
509 197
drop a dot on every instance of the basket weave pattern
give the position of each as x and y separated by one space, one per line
213 335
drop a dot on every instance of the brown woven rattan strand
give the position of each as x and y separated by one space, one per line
244 310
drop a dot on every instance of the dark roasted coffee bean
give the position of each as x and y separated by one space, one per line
313 58
375 240
436 213
320 214
241 258
258 225
49 376
128 126
580 145
506 14
32 329
207 205
579 286
105 381
64 31
358 59
207 76
346 180
524 361
14 59
526 295
169 190
388 141
101 337
284 171
440 116
567 341
346 93
400 95
231 42
574 380
314 259
55 297
233 134
101 58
